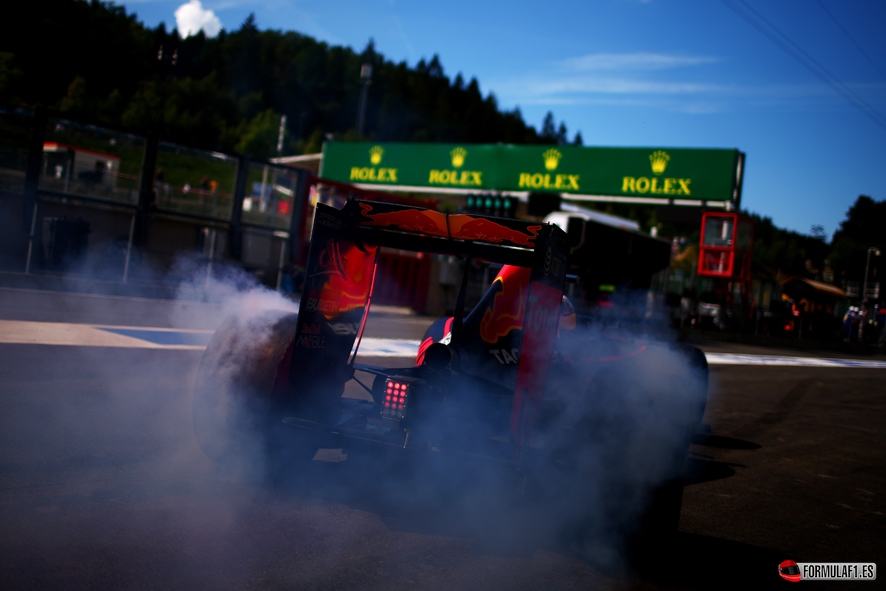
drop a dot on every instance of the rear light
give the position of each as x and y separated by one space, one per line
396 399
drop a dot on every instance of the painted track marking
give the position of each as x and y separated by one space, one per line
61 333
787 361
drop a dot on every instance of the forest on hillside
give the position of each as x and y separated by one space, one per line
97 63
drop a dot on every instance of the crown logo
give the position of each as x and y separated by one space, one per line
659 160
458 156
375 154
552 158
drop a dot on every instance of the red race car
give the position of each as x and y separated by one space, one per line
519 380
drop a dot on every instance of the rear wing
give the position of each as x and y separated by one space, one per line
498 240
340 274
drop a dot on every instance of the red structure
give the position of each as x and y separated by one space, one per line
726 246
725 251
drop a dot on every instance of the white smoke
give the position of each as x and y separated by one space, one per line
126 427
190 18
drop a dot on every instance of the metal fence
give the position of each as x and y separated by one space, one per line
86 191
195 181
91 161
103 203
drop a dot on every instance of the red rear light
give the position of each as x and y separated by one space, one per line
396 400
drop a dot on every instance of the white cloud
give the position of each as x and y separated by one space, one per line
633 61
675 104
591 85
623 78
190 18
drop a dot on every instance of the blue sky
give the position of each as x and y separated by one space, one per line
669 73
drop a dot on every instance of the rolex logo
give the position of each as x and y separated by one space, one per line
458 156
552 158
659 160
375 154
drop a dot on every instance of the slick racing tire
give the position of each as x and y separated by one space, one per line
236 409
695 384
628 443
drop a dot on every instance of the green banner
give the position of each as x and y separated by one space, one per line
655 173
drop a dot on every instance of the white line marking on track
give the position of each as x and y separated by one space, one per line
786 361
374 347
22 332
95 335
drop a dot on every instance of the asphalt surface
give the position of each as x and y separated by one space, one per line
102 484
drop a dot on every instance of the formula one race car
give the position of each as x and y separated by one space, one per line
518 380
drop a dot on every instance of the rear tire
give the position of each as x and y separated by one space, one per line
236 409
697 380
627 452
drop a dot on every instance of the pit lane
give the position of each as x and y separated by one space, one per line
102 484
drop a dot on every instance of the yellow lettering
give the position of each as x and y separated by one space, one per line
654 188
449 177
573 181
643 184
525 179
366 173
548 184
